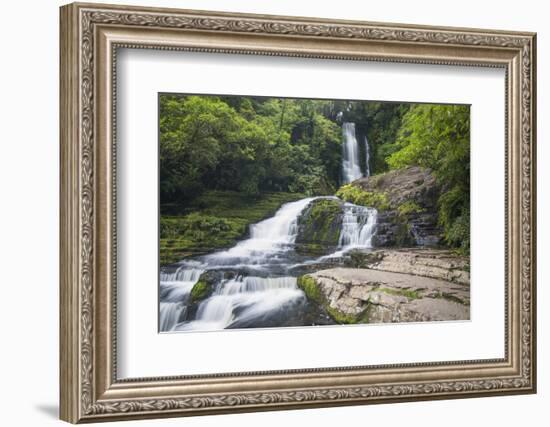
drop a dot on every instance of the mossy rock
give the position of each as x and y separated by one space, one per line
312 291
349 319
204 287
200 291
319 226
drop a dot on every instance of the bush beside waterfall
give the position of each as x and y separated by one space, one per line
358 196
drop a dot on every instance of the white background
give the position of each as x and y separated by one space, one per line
29 171
141 347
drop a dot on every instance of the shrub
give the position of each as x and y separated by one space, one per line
358 196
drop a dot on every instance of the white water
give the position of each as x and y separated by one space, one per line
367 157
269 243
269 239
351 169
243 300
358 227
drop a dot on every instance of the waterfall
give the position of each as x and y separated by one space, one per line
247 298
268 239
175 288
262 291
358 227
351 169
242 300
367 157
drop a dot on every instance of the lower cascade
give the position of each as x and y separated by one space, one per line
254 282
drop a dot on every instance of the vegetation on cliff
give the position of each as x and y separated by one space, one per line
358 196
214 220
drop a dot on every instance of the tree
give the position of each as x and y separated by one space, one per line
438 137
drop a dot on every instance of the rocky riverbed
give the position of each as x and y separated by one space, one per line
393 286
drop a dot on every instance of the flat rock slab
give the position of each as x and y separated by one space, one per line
382 296
434 263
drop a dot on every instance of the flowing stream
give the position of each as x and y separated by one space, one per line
255 280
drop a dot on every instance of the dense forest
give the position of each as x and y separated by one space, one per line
255 148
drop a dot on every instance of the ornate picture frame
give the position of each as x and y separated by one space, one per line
90 37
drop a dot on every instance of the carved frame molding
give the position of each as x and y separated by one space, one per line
90 36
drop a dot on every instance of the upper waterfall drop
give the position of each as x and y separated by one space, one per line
351 169
367 157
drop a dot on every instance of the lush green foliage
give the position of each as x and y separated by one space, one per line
243 144
229 161
438 137
409 207
358 196
380 123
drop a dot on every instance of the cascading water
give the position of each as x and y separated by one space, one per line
351 169
358 227
239 301
269 240
260 289
243 300
175 288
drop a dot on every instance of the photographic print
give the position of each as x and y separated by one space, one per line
282 212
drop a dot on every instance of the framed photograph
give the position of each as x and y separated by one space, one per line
267 212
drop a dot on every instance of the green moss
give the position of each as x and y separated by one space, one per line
349 319
312 291
200 291
340 317
215 220
310 288
358 196
409 207
320 223
403 292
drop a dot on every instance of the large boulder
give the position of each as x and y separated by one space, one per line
319 226
352 295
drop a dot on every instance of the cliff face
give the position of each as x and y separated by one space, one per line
409 214
406 201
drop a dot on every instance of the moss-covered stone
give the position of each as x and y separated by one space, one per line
312 291
319 226
348 319
310 288
200 291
